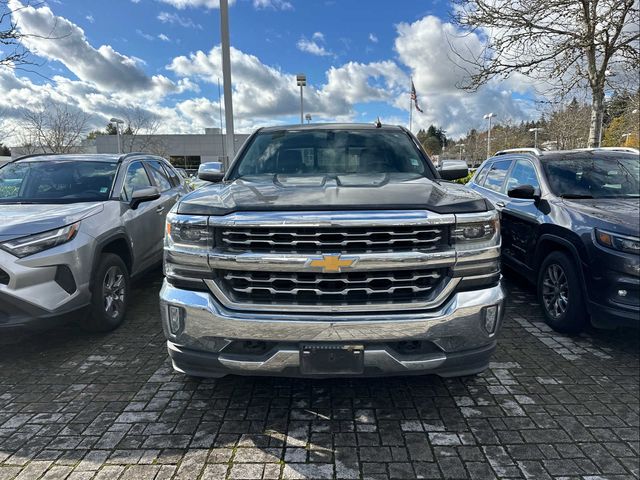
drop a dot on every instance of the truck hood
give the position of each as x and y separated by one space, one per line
27 219
346 192
621 215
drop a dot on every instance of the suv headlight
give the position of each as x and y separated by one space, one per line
188 231
614 241
24 246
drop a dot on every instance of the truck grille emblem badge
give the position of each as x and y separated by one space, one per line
332 263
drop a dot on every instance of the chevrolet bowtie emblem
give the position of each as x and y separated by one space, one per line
332 263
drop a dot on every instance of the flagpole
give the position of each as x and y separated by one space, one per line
410 105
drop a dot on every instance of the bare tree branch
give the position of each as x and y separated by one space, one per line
570 44
54 128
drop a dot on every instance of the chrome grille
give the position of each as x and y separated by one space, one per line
365 287
333 239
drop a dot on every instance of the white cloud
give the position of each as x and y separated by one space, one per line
262 92
373 38
272 4
174 18
318 36
103 67
163 37
313 46
144 35
437 74
90 18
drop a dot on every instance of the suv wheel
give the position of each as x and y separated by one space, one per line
560 294
110 295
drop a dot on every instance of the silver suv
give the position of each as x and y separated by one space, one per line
75 229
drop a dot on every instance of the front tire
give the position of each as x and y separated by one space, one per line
560 294
110 295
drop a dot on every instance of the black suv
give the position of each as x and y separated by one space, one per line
570 223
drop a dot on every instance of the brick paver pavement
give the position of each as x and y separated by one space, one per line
78 406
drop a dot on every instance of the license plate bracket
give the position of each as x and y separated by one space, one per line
331 359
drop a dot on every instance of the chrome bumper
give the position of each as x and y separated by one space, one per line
456 327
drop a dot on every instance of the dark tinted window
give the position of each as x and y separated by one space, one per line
159 175
171 173
55 181
135 179
482 174
331 152
496 175
594 176
523 173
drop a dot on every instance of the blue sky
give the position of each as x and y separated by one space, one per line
162 57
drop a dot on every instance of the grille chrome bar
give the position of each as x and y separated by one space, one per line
436 299
333 239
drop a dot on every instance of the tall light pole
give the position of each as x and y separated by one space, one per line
118 122
489 116
535 135
461 147
226 78
301 81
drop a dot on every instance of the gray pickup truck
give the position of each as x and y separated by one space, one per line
331 250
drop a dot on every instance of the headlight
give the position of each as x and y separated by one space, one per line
476 232
188 231
21 247
621 243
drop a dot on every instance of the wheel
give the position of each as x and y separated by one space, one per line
560 294
110 295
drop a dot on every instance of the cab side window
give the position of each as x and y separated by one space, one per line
523 173
482 174
496 175
135 179
159 175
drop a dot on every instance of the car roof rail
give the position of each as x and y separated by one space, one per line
612 149
30 155
534 151
124 156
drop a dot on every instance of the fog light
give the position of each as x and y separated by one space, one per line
491 319
175 319
622 293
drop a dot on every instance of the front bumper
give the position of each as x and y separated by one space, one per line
456 329
32 295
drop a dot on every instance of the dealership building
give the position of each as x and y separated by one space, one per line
183 150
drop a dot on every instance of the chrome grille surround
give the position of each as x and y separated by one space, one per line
344 240
446 260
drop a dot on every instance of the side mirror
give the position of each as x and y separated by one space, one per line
143 195
211 172
453 172
524 192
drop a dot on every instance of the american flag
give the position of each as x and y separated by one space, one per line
414 97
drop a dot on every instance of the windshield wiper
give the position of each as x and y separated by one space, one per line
575 195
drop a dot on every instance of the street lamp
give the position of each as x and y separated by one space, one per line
301 81
308 117
489 116
461 147
535 135
118 122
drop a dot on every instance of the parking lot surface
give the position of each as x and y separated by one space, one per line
79 406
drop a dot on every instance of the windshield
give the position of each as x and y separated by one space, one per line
51 181
331 152
594 177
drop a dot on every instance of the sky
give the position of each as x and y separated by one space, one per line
163 57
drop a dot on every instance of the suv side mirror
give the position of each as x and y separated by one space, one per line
143 195
452 172
524 192
211 172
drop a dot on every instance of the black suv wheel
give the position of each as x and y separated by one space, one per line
560 294
110 295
